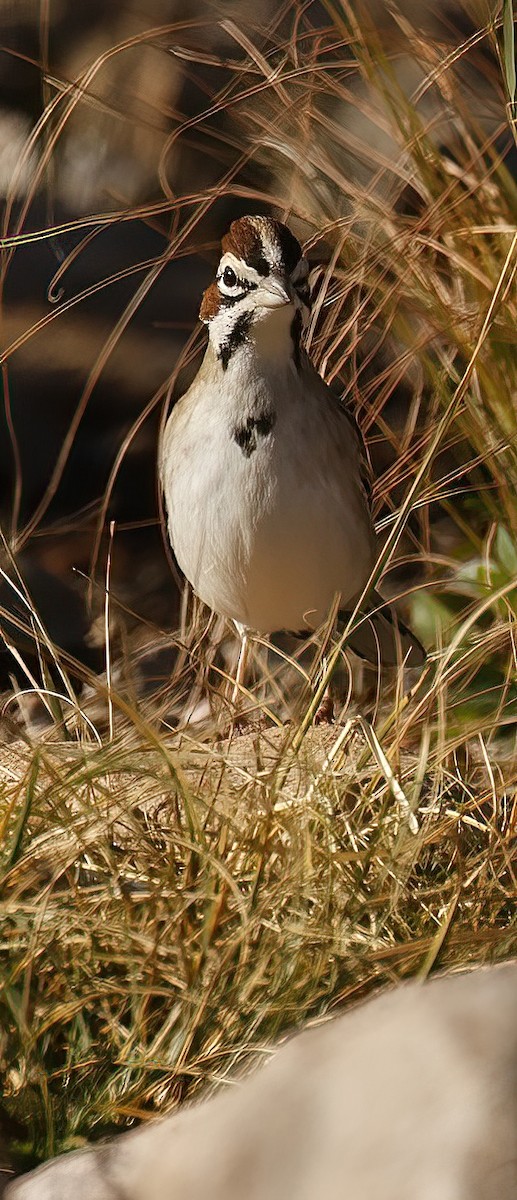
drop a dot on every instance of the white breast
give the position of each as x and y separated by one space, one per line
267 538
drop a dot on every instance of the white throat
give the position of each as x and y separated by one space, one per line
265 340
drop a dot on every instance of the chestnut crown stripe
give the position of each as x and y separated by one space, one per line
262 245
245 242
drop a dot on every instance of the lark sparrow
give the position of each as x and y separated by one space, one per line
264 471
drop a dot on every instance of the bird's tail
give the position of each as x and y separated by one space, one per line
380 637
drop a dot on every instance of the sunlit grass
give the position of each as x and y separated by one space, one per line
167 904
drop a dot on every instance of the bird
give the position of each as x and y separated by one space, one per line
265 475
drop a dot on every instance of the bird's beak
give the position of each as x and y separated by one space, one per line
276 292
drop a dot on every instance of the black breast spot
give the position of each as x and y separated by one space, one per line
248 435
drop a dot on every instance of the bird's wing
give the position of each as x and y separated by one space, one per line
346 423
365 466
381 636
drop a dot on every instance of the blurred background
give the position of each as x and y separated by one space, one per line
130 135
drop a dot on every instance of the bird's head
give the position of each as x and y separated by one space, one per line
261 280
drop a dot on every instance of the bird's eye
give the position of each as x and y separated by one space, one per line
229 277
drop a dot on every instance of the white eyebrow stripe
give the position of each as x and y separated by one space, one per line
242 270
